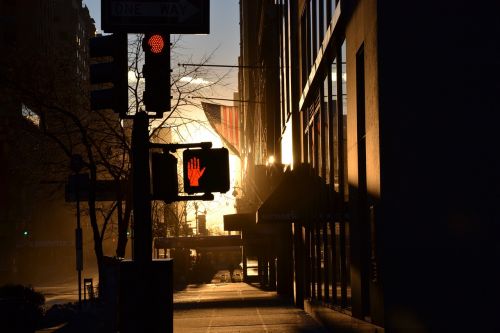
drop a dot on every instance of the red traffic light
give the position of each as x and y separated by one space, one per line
156 71
156 43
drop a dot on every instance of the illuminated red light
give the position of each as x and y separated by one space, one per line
194 172
156 43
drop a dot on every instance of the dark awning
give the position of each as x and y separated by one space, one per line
238 222
299 196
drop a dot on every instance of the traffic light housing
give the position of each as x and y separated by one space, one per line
156 71
206 170
109 73
164 177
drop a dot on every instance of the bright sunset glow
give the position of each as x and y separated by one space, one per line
199 130
270 160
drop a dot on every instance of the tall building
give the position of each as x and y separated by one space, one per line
43 66
380 119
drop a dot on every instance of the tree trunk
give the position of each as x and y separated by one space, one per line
123 223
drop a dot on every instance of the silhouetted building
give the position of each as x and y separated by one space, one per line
43 65
380 117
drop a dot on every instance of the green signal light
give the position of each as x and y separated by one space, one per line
25 233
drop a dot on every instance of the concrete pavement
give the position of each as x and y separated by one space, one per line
237 307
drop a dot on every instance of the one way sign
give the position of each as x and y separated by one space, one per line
172 16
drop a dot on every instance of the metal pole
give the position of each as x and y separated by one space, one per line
78 242
141 299
141 190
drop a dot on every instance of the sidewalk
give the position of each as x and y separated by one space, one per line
237 307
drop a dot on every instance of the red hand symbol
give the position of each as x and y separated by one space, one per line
194 172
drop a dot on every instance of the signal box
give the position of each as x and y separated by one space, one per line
164 177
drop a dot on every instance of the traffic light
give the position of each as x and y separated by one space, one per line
156 72
109 72
164 177
26 233
206 170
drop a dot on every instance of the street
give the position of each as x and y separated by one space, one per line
237 307
64 290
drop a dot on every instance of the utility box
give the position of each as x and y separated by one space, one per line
146 301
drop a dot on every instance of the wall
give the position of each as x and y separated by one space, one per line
363 160
439 66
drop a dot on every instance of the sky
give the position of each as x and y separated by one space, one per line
223 42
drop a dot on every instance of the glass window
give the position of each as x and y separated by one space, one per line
318 35
334 119
325 114
332 266
321 260
311 35
322 20
341 290
332 9
317 140
338 266
304 48
344 119
347 260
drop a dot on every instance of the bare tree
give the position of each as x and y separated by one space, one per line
59 96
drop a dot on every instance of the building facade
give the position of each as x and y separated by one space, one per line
44 64
371 111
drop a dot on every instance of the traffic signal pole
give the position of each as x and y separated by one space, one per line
136 295
142 253
145 286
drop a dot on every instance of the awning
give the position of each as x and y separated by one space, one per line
301 195
238 222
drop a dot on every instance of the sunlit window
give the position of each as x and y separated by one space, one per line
287 146
29 115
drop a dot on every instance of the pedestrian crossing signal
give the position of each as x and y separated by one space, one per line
206 170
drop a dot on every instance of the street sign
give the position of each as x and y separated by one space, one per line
170 16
